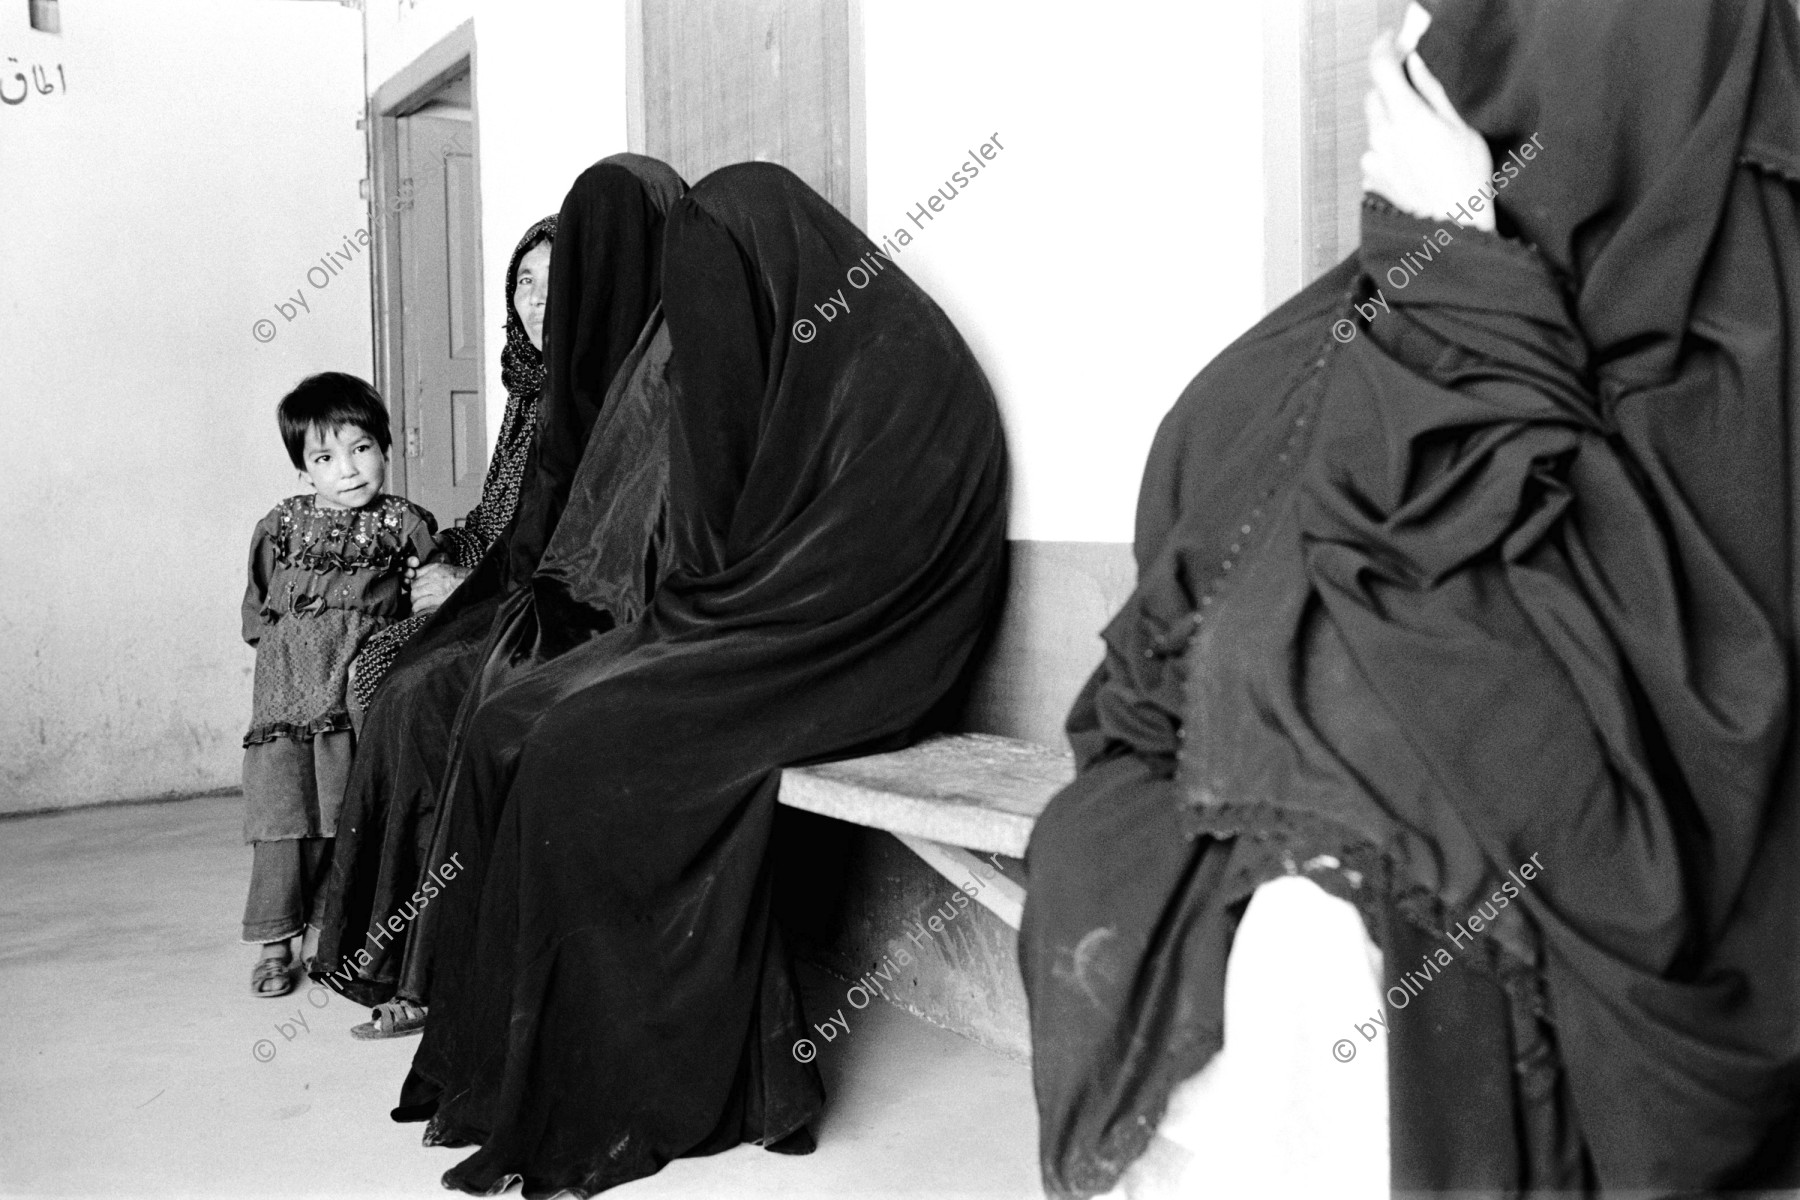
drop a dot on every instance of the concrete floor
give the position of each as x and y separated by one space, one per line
128 1057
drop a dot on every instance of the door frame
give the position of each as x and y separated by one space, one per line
406 91
1313 81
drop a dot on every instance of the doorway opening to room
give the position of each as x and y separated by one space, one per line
426 208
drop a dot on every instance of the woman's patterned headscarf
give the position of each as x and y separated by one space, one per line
521 363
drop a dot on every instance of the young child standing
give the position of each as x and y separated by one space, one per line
325 573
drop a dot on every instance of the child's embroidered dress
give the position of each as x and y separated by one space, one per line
321 581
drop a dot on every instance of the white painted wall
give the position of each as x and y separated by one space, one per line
204 156
1114 246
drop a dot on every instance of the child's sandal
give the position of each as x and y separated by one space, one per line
271 970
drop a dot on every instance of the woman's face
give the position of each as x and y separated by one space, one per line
531 290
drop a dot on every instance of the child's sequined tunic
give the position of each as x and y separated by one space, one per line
321 581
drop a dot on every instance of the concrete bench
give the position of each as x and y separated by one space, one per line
903 837
944 798
873 846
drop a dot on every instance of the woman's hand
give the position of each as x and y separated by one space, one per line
432 583
1421 155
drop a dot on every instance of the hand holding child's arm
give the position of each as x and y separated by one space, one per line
429 580
432 583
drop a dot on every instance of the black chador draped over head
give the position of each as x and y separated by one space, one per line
605 282
611 991
1508 577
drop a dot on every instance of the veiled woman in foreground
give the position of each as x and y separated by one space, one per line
611 991
605 286
1452 567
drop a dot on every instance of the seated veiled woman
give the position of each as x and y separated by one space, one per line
1469 583
611 991
603 292
461 549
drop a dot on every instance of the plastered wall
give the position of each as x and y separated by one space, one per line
151 215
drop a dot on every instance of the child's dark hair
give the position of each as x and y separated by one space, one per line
326 401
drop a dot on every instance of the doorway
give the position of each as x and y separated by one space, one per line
425 202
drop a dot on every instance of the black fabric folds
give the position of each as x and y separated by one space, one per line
611 991
596 311
1509 572
605 283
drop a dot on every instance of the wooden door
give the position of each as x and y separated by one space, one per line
727 81
443 433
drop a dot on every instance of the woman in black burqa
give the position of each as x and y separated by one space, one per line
611 990
1511 572
606 281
